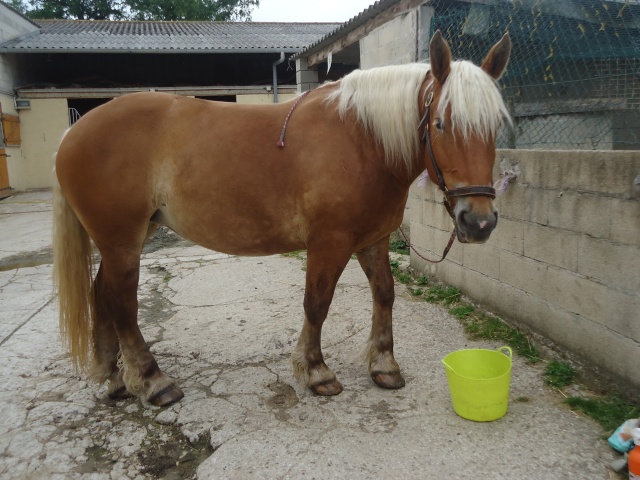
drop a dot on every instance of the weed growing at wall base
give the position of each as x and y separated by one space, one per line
559 374
608 412
478 325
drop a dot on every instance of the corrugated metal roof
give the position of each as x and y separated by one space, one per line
344 28
68 36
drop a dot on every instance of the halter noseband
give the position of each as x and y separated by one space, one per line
468 191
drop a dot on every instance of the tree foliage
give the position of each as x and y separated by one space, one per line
221 10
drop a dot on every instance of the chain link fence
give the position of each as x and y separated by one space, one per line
573 81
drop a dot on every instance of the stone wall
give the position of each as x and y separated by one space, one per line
564 261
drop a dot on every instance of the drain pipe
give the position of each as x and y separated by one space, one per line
275 77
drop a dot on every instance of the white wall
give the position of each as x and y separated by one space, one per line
41 126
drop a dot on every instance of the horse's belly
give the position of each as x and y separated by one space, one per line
238 235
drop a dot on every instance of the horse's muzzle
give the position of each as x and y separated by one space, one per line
474 228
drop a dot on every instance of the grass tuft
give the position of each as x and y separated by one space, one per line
559 374
399 246
608 412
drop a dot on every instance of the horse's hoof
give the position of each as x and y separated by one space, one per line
119 393
167 396
388 380
327 389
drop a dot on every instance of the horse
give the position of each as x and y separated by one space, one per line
212 173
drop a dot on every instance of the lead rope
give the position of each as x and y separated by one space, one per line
446 249
280 142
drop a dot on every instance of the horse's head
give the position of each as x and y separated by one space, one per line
463 110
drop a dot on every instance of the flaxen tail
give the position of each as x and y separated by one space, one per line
72 278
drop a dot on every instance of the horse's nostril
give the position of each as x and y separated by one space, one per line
471 222
462 218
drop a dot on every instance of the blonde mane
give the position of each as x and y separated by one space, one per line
385 100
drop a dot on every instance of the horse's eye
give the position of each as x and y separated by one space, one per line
439 124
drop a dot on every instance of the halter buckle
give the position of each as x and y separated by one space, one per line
429 100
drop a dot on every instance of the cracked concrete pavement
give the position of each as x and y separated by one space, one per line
224 328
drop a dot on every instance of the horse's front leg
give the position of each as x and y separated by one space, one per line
324 267
383 368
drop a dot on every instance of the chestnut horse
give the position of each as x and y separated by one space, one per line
213 173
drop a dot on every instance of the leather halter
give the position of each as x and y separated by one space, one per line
468 191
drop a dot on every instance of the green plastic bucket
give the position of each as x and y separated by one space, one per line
479 382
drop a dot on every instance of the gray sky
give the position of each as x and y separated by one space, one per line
309 10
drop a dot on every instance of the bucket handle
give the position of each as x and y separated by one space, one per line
508 349
509 353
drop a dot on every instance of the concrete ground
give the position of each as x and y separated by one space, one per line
224 328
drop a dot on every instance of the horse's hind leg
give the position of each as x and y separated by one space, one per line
383 368
324 267
106 346
117 300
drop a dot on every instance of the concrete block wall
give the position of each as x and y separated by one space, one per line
564 260
306 79
393 43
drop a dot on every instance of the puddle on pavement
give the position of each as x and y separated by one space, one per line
27 260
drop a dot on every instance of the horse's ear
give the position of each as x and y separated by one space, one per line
498 57
439 57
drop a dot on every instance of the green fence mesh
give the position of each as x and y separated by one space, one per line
573 81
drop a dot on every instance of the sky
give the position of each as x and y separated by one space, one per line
309 10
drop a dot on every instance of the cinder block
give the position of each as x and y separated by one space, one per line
610 263
551 245
440 240
430 243
483 259
591 341
611 173
508 235
559 169
520 202
422 237
576 294
450 273
625 221
436 215
413 211
303 87
503 299
621 313
306 76
523 273
302 64
417 191
432 192
580 212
